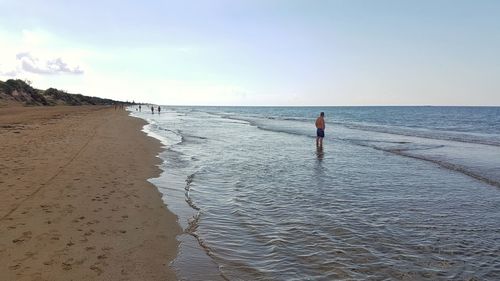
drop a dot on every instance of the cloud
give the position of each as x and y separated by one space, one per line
9 73
30 63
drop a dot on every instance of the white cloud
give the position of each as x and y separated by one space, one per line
122 74
9 73
36 65
36 54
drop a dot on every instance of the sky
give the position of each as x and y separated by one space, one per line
234 52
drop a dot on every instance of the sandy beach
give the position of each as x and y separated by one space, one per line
76 204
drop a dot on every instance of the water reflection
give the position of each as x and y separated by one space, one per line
319 153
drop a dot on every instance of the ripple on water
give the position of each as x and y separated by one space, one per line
272 208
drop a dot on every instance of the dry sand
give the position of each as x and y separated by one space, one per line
75 203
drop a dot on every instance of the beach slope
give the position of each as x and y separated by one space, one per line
75 203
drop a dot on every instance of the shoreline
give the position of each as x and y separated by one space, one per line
77 203
191 250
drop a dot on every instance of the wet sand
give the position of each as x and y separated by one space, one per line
75 203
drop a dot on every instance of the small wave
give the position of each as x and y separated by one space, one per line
450 166
155 130
453 167
263 127
189 181
284 131
376 141
410 146
191 230
174 159
402 131
399 151
193 223
191 136
239 120
434 135
298 119
187 188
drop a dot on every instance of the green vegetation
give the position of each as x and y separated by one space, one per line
21 91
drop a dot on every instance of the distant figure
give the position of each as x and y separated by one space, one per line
320 129
139 108
159 109
152 110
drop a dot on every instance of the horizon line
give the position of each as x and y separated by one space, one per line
319 106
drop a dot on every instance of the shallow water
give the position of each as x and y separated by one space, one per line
396 193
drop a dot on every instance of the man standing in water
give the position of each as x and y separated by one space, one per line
320 129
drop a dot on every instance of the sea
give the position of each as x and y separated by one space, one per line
395 193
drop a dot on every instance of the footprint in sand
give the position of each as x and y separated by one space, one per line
28 255
46 208
25 237
69 208
96 269
14 267
55 237
68 264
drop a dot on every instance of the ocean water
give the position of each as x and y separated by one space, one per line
396 193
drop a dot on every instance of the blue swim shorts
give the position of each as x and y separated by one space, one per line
320 133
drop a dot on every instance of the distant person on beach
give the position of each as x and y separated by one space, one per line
139 108
320 129
152 110
159 109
